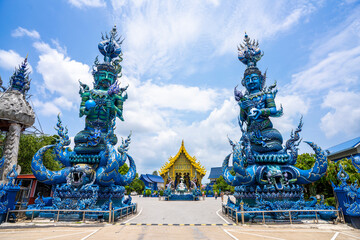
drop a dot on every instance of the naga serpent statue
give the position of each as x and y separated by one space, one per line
348 195
263 168
90 178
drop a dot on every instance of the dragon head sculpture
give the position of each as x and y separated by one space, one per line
80 175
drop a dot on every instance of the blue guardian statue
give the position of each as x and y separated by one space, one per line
90 178
265 176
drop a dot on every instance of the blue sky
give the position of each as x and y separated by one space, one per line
180 61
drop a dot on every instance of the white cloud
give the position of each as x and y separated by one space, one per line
344 115
339 68
350 1
10 60
177 97
158 116
150 107
214 2
160 35
156 136
261 20
20 32
63 103
332 70
87 3
160 39
61 73
334 59
53 106
58 47
205 139
340 38
46 108
294 107
209 136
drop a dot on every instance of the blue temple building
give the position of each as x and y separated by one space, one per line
215 173
346 149
152 182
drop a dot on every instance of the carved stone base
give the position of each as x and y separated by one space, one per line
11 150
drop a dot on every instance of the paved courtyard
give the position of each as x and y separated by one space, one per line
151 210
148 222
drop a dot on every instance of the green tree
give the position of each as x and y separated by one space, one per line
29 145
2 142
123 169
155 173
223 186
136 185
348 167
215 188
323 186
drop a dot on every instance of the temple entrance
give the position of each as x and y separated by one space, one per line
185 177
182 166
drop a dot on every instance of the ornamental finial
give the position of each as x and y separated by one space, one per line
110 47
249 52
19 81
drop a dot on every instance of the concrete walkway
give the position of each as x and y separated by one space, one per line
153 211
122 232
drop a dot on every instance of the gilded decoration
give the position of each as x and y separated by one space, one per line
182 165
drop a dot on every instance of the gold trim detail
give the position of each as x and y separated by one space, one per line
198 167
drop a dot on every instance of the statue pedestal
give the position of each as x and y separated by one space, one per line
7 201
11 150
182 197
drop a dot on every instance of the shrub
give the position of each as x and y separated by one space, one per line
330 201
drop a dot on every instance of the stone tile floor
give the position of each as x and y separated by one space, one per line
185 220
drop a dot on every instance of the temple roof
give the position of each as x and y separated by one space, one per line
199 168
346 149
216 172
152 178
344 146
